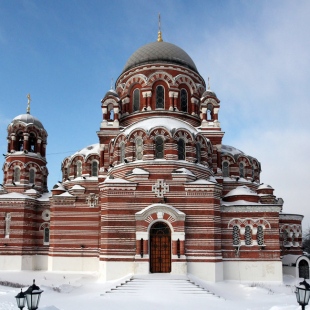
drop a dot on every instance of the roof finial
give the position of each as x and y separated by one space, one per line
28 106
112 83
159 37
208 83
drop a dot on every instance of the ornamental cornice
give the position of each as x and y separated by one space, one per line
250 208
291 217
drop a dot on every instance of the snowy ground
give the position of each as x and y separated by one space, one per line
68 291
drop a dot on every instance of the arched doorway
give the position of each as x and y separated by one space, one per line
160 248
303 269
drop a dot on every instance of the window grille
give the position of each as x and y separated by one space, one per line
236 235
122 152
94 169
16 174
78 169
285 237
225 169
160 97
248 235
198 152
181 149
139 148
260 235
136 100
159 147
31 176
183 100
241 170
46 235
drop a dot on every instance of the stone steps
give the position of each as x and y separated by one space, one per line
159 285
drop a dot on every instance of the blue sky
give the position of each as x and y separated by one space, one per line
256 53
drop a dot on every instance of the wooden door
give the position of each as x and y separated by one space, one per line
160 248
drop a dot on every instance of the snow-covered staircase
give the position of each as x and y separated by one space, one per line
159 285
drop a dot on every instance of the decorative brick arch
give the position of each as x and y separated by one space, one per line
184 79
184 134
140 79
254 223
159 131
161 75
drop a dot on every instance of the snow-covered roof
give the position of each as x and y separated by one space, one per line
27 119
241 190
88 150
290 259
77 186
231 150
139 171
265 186
15 196
183 171
167 122
200 181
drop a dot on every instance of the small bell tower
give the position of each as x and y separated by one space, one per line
25 161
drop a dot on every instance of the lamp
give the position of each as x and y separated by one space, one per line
33 295
20 299
303 294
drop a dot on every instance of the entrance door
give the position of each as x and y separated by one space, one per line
160 248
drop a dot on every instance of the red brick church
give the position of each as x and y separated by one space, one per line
159 193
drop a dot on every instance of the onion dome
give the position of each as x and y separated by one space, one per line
160 52
27 119
111 92
209 93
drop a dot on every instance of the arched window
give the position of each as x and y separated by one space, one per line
136 100
68 171
31 176
110 112
16 176
159 147
160 97
78 168
46 236
248 235
184 100
139 148
225 169
181 149
260 235
303 271
198 153
32 142
241 170
285 238
236 235
94 168
122 152
20 142
210 112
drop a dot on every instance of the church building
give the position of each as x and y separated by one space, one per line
158 193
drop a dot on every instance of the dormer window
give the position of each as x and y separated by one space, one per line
160 97
184 100
136 100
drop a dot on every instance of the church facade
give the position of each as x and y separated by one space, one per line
159 193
